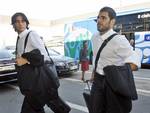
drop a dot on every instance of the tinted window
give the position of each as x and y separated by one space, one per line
4 54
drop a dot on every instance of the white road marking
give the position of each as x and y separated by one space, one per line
142 78
73 106
143 91
84 108
78 107
74 80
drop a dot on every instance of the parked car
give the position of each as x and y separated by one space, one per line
7 67
63 64
11 49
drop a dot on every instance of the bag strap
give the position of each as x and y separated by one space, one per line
49 55
16 46
44 45
26 40
101 48
25 44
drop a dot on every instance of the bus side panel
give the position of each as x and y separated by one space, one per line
75 34
142 46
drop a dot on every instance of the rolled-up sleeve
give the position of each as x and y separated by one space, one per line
126 52
134 58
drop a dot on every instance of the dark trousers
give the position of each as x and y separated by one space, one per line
33 105
97 95
104 100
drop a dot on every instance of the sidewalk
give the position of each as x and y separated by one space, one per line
139 73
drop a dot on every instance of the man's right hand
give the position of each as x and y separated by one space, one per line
21 61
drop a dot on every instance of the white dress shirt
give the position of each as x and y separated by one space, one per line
34 42
118 51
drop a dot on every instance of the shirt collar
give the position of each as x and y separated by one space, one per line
107 34
24 33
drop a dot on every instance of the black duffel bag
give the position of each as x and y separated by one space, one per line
120 79
51 72
26 75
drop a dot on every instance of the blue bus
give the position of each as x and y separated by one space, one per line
134 24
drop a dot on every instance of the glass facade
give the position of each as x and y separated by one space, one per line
133 22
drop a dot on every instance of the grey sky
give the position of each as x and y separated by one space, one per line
54 9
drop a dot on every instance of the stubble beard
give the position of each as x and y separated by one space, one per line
103 31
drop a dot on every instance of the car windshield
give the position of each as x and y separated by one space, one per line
4 54
53 52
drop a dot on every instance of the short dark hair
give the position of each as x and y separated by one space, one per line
111 12
13 18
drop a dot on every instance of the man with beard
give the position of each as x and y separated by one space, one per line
117 52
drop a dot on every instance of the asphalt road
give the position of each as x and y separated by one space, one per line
71 90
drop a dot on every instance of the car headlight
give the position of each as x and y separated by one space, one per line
60 64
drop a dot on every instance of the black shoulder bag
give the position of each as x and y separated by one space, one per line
51 72
49 68
119 78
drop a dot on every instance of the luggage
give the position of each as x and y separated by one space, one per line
86 95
